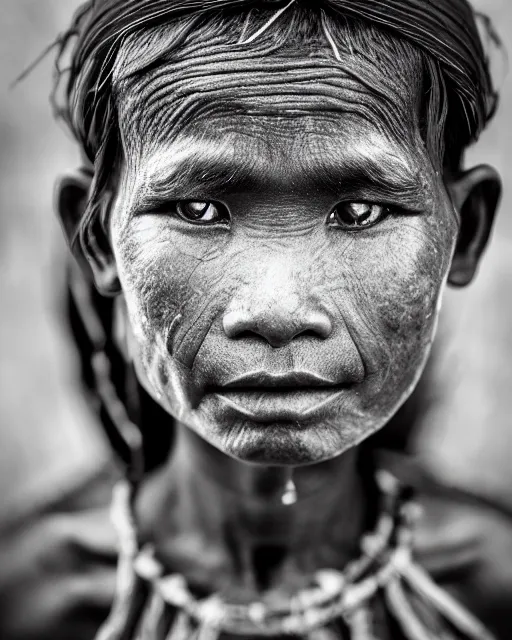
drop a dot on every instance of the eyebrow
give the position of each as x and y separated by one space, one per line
388 177
216 170
198 170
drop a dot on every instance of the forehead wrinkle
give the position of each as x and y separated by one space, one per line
164 115
193 78
216 41
246 86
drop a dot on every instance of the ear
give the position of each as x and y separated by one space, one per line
476 194
93 252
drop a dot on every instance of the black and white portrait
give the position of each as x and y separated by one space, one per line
255 320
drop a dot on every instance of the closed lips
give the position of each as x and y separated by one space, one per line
290 381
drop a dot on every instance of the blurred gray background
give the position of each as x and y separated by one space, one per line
49 441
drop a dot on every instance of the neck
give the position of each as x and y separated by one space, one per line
225 526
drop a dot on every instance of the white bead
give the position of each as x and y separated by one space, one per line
174 590
257 612
146 566
330 581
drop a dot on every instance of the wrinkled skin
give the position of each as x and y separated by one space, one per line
275 334
278 289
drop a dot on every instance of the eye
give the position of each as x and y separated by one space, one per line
357 215
198 212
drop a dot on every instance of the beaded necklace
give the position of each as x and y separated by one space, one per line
152 604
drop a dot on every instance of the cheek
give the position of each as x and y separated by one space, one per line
403 281
172 284
397 278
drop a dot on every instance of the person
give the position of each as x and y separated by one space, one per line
272 201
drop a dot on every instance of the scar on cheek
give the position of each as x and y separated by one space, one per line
171 333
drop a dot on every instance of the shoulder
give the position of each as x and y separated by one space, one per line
466 545
58 567
463 539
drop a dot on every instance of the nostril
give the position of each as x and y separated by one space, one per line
247 334
275 326
309 333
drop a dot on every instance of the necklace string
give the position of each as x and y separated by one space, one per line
153 604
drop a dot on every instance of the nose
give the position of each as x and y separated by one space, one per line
277 310
276 327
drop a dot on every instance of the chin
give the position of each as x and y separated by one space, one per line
275 443
315 435
278 442
282 429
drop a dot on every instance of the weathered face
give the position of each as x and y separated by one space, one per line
282 261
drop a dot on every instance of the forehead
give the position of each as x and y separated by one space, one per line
215 82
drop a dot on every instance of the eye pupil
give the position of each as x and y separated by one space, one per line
202 212
195 210
357 215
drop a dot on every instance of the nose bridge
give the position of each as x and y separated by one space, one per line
277 286
276 302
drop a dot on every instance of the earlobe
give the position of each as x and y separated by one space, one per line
475 194
93 251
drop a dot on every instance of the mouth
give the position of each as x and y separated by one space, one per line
264 397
